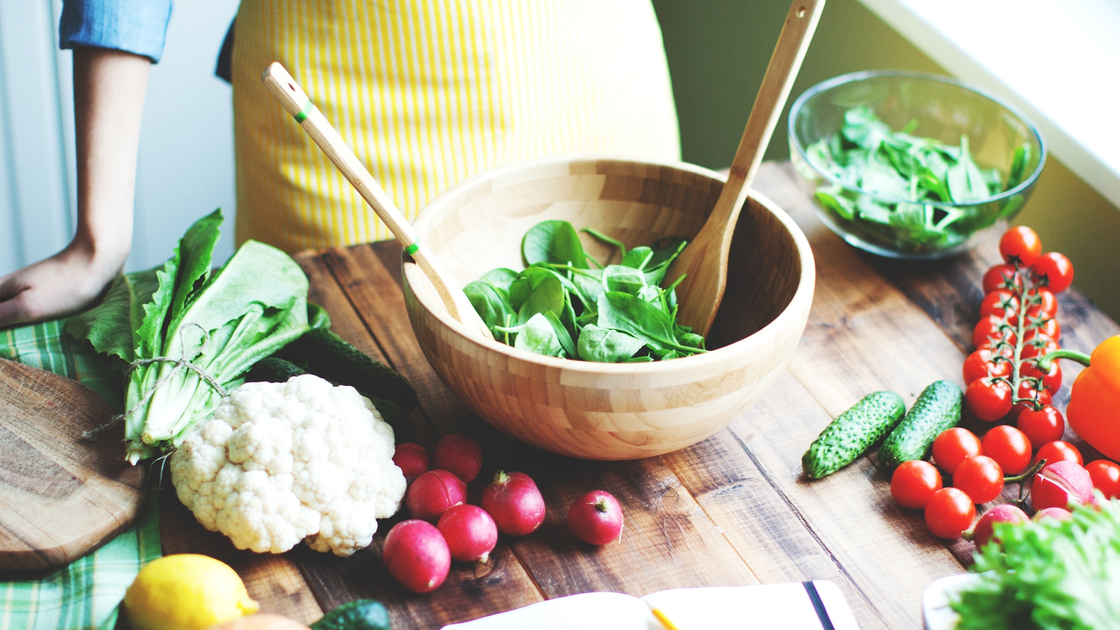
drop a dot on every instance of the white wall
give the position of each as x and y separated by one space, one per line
185 165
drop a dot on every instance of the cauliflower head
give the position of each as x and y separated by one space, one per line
278 463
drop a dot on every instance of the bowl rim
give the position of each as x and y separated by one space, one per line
803 293
853 77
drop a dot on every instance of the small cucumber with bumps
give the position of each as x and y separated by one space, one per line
362 614
323 353
938 408
273 370
852 433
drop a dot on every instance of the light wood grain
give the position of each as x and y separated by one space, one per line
295 101
704 262
62 495
597 410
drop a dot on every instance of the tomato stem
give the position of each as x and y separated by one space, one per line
1026 474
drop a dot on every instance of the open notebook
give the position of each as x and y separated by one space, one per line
815 605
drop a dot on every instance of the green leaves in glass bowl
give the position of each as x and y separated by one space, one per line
907 193
561 306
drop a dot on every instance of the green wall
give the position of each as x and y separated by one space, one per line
718 51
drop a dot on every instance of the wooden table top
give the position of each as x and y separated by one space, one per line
734 509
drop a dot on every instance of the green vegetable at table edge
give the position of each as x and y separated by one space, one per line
1048 575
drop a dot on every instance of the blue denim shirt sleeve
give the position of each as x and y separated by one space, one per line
135 26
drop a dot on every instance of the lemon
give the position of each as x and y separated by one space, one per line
186 592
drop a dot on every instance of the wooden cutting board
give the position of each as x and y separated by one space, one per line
60 495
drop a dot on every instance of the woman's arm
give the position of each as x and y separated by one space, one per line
109 88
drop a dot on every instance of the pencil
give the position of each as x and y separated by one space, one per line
669 625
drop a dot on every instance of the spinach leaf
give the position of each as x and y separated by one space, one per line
490 303
539 337
553 242
606 345
547 297
527 282
501 278
635 316
624 279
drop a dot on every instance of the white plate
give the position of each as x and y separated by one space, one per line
935 601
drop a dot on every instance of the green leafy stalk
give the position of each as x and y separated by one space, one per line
194 333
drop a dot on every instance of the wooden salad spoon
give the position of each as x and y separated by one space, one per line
704 261
295 101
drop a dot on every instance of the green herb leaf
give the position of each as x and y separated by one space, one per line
553 242
606 345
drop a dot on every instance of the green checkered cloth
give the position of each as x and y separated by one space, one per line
85 594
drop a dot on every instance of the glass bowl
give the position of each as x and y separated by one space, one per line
950 162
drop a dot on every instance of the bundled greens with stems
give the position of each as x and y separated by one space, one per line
185 334
926 180
560 306
1049 575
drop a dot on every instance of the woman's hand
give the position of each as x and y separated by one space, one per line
66 283
109 88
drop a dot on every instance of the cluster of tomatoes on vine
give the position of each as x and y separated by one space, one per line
1017 327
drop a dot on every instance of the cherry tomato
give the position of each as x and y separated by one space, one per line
979 477
1051 381
913 483
1003 349
1010 447
1038 347
1054 270
1027 391
1044 328
1057 451
983 363
1042 426
1041 303
988 399
1001 303
949 512
953 446
1020 243
999 277
1105 476
991 328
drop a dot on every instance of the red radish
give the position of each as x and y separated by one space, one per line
514 502
982 532
433 492
596 518
417 555
1057 513
470 532
1059 484
460 455
412 459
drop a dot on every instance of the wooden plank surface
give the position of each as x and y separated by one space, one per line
734 509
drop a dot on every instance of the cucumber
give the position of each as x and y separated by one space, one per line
852 433
938 408
362 614
273 370
323 353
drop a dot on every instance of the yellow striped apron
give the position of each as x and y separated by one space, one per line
430 92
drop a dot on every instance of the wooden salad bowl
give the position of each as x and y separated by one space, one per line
610 411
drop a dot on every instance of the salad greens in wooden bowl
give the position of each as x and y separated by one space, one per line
912 166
